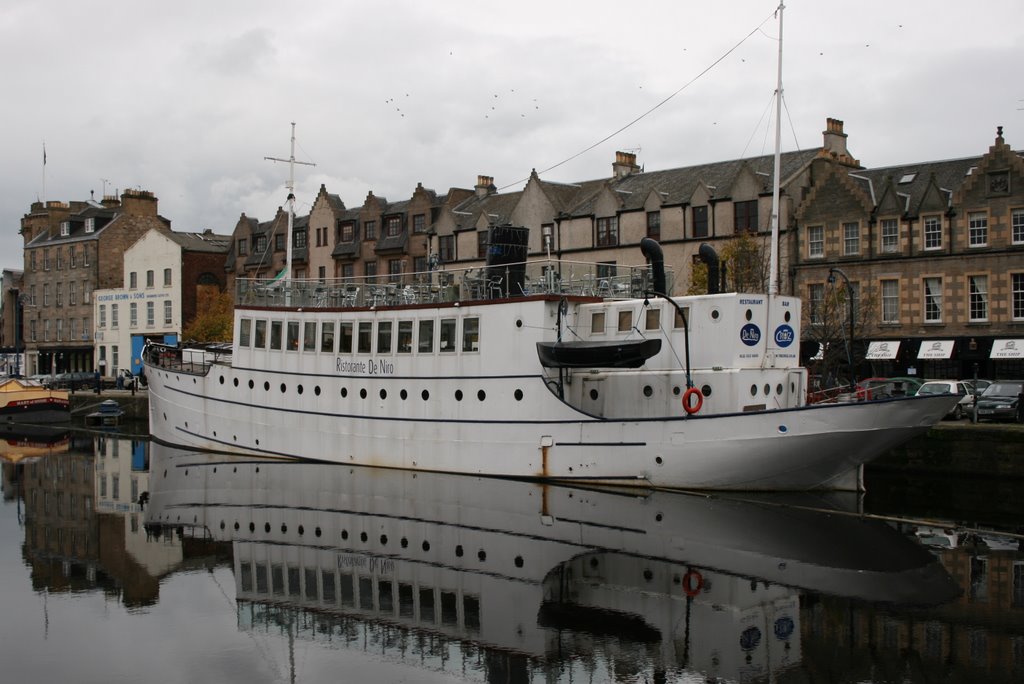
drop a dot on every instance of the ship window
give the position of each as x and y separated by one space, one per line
653 319
625 321
365 337
384 337
309 336
678 319
597 323
470 334
260 341
244 331
345 337
404 337
327 337
293 336
447 343
427 611
426 338
275 335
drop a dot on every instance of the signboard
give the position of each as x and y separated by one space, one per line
882 349
935 349
1007 349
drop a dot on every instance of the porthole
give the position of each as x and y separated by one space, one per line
593 395
753 390
518 395
284 388
404 395
658 517
786 316
383 540
266 386
648 575
426 545
706 391
519 322
235 382
344 534
481 395
299 389
221 379
316 390
481 555
222 524
404 543
251 384
362 393
383 393
676 391
458 395
593 562
236 526
658 460
519 561
648 391
767 389
425 394
252 526
778 389
363 537
458 551
266 528
318 531
715 314
749 314
344 392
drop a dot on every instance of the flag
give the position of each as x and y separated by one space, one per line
44 154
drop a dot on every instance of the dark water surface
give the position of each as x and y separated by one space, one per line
122 561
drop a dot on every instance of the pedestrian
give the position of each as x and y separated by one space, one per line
97 376
119 383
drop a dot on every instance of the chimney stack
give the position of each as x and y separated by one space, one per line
485 186
625 164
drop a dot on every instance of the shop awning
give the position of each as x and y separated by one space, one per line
935 349
882 349
1007 349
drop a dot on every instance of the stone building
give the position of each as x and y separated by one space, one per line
72 249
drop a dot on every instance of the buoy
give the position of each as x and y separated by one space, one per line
692 583
689 406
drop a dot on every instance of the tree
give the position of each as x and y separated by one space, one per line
826 320
746 261
214 321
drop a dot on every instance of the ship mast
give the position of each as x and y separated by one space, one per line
291 201
773 276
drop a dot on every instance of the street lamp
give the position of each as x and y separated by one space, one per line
832 272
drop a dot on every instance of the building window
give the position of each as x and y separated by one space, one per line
299 239
608 231
700 221
816 298
393 226
890 301
932 232
90 225
1017 295
279 245
65 228
815 242
133 280
46 330
113 315
851 239
85 255
150 314
72 294
60 329
977 229
150 279
167 277
890 236
243 247
46 294
72 328
933 300
395 269
60 258
745 216
59 289
103 316
72 257
114 356
46 260
371 271
419 264
133 315
446 248
32 330
606 269
261 244
348 271
32 260
347 232
481 244
85 291
1016 223
168 318
370 230
419 223
654 225
978 305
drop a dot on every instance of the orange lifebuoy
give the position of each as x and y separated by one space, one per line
690 407
692 583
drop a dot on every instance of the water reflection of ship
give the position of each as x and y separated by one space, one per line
531 573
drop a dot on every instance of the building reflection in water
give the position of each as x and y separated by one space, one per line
503 580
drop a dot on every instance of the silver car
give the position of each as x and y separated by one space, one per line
963 407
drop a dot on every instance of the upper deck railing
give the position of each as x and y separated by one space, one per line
541 277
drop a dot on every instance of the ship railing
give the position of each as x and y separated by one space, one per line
194 359
474 283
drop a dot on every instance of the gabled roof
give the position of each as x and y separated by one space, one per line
206 241
911 181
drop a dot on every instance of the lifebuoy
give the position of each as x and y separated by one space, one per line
692 583
690 407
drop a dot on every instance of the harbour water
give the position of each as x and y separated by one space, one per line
123 561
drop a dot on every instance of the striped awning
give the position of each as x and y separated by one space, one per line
935 349
1007 349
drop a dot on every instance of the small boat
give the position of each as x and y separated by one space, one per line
108 414
27 401
603 354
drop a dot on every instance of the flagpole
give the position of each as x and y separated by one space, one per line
44 172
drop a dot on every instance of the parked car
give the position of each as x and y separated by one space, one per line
966 404
1001 401
883 388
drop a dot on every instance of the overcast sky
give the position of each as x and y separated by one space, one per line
185 99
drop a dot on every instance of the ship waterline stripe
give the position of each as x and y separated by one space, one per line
602 444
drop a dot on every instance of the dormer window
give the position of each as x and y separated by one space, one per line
65 228
90 225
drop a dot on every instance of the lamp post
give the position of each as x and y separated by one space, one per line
832 272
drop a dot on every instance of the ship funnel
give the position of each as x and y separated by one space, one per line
652 252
